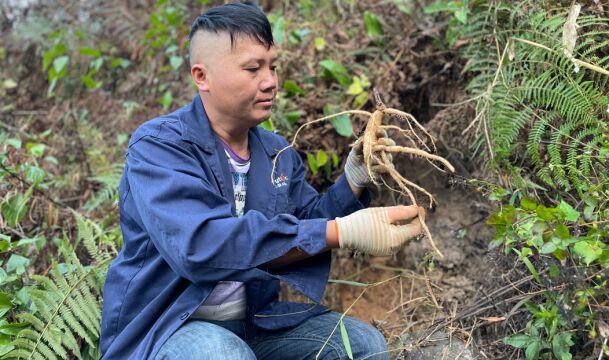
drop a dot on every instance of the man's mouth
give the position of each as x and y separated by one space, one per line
265 102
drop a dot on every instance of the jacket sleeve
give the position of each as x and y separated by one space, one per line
337 201
192 226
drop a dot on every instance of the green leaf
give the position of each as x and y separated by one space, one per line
588 251
296 36
267 125
4 278
279 30
360 100
292 88
5 243
545 213
567 211
38 242
176 62
320 43
356 87
90 83
537 241
548 248
528 204
5 304
528 263
14 209
95 65
461 15
345 337
348 282
335 160
119 62
322 158
48 56
88 51
35 149
337 71
33 174
60 63
166 100
518 341
437 7
293 116
562 231
525 251
532 351
5 348
554 271
14 142
11 328
341 123
531 268
312 163
372 25
17 264
561 344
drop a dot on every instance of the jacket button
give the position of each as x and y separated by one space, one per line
184 316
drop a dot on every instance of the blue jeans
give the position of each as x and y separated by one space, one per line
227 340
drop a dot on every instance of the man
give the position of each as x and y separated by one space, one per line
208 236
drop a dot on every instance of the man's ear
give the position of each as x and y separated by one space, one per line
199 74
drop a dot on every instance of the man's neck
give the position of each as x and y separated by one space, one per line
236 138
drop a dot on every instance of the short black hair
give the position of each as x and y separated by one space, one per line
244 18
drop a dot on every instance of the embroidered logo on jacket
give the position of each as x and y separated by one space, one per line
280 181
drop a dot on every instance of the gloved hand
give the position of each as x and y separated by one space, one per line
355 168
375 231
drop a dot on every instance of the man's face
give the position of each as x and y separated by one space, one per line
240 81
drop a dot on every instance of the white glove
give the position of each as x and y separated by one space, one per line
376 231
355 168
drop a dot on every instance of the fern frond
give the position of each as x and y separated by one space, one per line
537 134
67 303
109 182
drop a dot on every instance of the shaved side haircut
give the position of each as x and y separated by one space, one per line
238 19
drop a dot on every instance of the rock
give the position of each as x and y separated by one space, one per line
438 346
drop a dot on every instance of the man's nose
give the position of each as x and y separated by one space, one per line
269 82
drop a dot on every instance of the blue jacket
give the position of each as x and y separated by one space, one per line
181 236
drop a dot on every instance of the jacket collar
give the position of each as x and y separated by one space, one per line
197 129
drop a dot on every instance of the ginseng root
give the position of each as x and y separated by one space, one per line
377 155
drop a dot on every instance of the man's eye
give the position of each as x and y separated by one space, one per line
273 68
252 69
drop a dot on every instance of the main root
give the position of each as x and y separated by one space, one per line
376 156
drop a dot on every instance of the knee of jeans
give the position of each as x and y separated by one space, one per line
227 349
205 341
231 349
367 342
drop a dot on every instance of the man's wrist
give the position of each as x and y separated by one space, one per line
332 235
